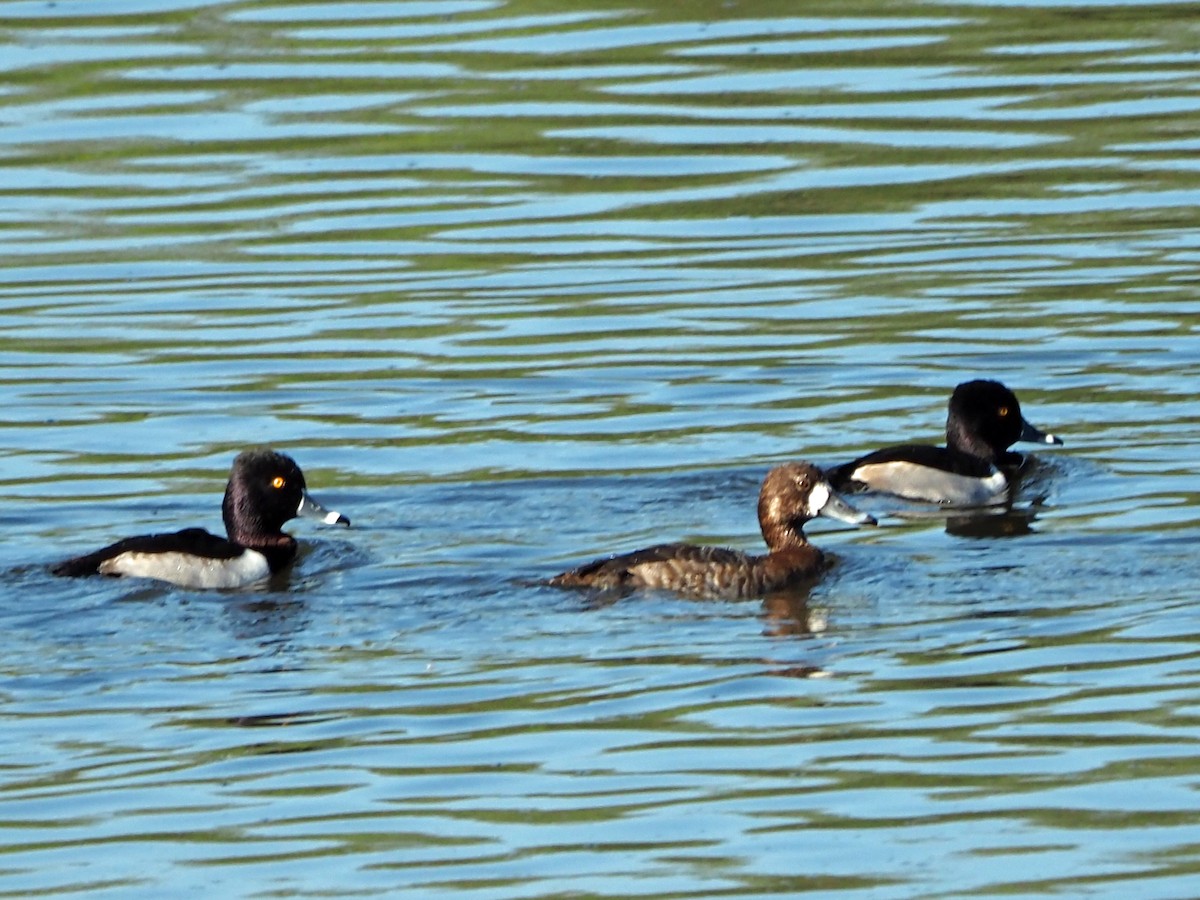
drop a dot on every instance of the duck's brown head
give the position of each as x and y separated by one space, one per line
795 493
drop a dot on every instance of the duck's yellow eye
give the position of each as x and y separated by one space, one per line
1002 411
278 481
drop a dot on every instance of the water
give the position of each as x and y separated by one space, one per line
521 284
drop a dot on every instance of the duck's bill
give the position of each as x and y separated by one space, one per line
311 509
835 507
1032 435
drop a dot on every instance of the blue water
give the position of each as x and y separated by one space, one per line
519 285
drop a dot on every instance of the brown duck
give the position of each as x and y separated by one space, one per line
791 495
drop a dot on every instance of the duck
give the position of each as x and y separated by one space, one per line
975 467
791 495
266 489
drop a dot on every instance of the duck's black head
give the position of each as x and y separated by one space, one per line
985 420
265 490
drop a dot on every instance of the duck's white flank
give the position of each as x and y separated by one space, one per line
188 570
914 482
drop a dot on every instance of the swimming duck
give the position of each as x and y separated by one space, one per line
265 490
983 421
791 495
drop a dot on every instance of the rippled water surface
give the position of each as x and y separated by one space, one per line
519 284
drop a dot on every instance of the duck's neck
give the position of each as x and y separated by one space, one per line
960 439
279 549
246 528
781 536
